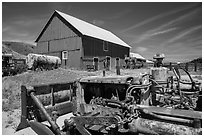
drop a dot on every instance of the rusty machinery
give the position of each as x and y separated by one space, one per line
12 66
110 105
169 90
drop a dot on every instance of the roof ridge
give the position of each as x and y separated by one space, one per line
84 21
97 28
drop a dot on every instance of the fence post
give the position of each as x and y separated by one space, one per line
186 66
170 65
95 63
118 66
65 62
108 63
195 66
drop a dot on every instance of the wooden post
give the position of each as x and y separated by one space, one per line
186 66
52 97
104 73
170 66
108 63
65 62
95 59
118 66
195 66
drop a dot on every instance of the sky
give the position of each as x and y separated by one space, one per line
172 28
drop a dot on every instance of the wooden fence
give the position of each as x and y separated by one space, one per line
188 66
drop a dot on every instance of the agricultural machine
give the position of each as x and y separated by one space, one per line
151 103
12 66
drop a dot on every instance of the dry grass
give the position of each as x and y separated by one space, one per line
11 86
11 89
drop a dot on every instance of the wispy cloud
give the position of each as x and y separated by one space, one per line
180 18
141 49
163 31
150 32
98 22
162 15
28 22
182 34
27 40
4 29
19 34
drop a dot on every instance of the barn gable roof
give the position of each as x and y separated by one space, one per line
87 29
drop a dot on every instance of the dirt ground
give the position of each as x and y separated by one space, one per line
11 88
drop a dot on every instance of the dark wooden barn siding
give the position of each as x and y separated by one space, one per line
94 48
59 37
119 51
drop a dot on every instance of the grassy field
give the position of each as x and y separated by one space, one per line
11 89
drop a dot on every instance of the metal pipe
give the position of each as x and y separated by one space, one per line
170 119
153 127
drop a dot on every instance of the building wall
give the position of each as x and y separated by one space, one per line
94 48
89 61
57 30
59 37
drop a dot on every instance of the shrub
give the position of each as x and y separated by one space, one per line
21 68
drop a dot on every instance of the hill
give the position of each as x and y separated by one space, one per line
6 50
19 47
198 60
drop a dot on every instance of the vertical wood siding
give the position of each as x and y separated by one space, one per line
72 45
94 47
41 47
89 61
56 30
65 44
60 37
74 59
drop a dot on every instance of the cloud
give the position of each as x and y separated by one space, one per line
163 31
5 29
28 22
28 39
140 49
162 15
98 22
182 34
180 18
19 34
150 32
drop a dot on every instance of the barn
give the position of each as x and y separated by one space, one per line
79 43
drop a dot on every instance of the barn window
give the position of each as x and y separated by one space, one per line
64 55
105 46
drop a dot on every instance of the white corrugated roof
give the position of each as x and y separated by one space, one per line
92 30
136 55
